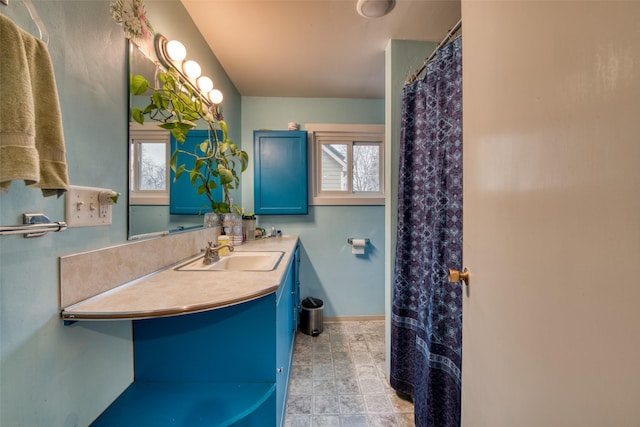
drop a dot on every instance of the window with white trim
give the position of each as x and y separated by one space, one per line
149 171
347 164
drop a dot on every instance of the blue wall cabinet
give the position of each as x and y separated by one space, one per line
183 198
280 172
223 367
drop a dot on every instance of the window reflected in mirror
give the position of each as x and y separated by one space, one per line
149 171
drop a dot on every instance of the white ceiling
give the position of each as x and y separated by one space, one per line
313 48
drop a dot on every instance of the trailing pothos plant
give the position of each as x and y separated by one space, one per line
177 108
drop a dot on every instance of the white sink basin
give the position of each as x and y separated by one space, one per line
237 261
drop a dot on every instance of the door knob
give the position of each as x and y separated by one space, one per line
456 276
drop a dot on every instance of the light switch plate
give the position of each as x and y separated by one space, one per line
83 207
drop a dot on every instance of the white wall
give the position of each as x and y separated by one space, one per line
551 213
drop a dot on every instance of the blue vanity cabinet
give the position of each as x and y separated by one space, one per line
296 289
280 173
285 335
221 367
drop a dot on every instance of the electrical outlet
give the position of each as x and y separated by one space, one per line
88 206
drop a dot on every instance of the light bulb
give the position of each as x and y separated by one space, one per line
205 84
176 50
215 96
191 69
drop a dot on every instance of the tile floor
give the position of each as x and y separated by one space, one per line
337 379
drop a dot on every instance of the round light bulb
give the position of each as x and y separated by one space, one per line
215 96
205 84
176 50
192 69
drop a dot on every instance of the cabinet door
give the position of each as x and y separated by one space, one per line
296 289
280 172
284 342
183 198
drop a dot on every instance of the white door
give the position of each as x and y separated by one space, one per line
552 213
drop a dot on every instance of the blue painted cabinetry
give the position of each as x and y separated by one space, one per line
280 172
183 198
222 367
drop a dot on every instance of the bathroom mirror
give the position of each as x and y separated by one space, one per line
149 166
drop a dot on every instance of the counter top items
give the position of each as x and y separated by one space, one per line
249 227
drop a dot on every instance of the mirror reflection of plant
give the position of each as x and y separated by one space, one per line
177 109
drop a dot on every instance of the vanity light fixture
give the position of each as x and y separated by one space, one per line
215 96
205 84
375 8
192 69
172 55
176 51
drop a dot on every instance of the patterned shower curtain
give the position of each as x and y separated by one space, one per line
426 326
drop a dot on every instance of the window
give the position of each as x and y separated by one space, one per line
148 169
346 164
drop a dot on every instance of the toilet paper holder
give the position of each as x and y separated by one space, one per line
350 240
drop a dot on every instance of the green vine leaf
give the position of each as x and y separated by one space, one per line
138 84
225 175
180 170
204 146
193 176
137 115
244 160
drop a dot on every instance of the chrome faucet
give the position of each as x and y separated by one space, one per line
212 255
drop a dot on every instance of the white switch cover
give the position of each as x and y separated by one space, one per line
83 207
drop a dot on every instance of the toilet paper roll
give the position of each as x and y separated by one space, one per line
358 246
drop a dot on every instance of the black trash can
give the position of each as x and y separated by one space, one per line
311 316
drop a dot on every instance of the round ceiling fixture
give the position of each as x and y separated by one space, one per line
374 8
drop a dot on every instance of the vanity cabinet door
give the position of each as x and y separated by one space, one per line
284 341
280 173
296 290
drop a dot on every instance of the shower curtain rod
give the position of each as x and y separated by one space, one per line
412 78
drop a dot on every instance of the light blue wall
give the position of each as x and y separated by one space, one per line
50 374
55 375
349 285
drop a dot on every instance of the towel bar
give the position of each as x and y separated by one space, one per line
34 225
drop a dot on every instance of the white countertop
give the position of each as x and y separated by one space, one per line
169 292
